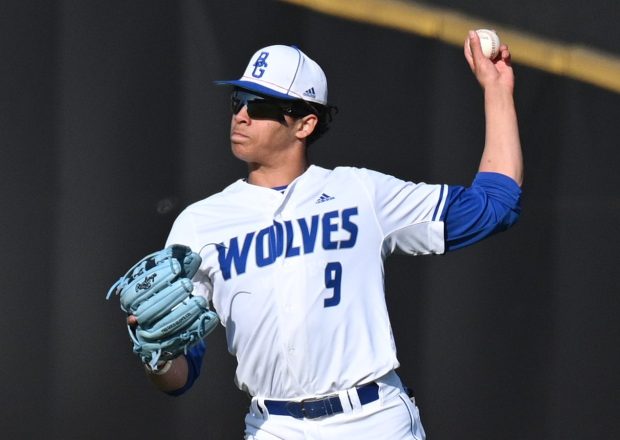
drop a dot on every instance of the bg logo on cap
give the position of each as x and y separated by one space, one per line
260 62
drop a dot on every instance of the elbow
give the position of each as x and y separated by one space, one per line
182 390
510 218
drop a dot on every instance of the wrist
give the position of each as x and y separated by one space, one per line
499 90
161 368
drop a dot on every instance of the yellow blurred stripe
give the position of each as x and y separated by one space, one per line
575 61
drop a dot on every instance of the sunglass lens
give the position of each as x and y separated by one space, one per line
258 107
265 110
236 104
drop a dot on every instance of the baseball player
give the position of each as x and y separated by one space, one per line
292 255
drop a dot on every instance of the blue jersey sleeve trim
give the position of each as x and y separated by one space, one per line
491 204
439 203
194 358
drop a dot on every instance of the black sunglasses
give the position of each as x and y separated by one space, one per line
260 107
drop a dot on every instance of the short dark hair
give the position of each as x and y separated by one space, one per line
325 115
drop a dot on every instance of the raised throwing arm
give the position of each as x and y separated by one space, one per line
502 149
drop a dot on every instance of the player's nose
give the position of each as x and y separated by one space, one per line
242 115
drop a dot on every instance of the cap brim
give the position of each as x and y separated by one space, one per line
253 87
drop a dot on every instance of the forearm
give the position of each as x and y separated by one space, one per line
502 150
173 379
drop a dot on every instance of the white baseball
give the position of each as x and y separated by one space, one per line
489 41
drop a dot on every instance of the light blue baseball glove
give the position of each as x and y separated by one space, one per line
158 292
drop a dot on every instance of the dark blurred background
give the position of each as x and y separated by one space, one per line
110 124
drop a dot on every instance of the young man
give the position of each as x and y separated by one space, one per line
293 254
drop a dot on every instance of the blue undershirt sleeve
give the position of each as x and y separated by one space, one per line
194 358
491 204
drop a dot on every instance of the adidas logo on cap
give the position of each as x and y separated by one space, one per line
310 93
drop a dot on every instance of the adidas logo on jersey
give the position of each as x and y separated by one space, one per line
324 198
310 93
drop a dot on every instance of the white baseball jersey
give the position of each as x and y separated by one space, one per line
297 276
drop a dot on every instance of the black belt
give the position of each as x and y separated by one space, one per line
319 407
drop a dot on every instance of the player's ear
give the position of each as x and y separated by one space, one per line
306 126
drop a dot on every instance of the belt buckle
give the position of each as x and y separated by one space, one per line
310 408
295 409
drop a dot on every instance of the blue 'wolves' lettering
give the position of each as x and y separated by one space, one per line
279 240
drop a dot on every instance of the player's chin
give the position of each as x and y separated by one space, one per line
241 150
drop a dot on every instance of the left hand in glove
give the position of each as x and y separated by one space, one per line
157 291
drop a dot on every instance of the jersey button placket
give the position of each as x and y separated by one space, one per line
284 278
279 278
